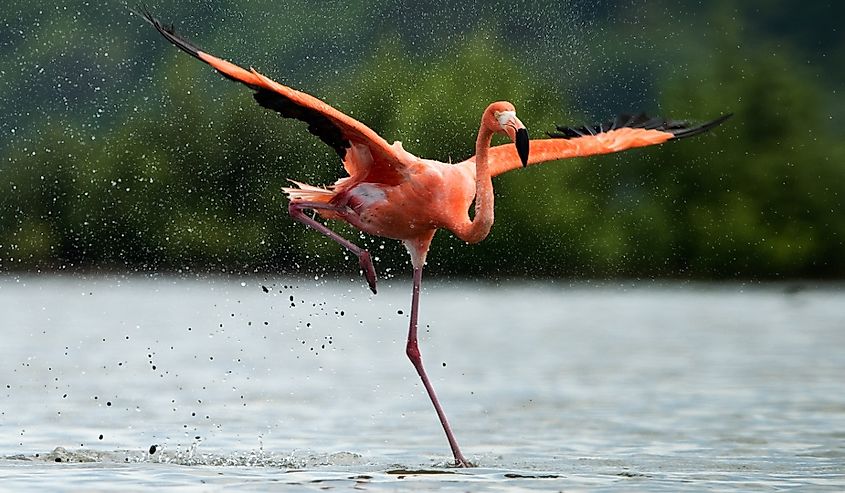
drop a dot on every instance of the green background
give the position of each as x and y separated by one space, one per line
119 152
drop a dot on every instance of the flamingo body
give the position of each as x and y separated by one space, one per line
431 195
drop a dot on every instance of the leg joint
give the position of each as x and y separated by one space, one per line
413 351
294 209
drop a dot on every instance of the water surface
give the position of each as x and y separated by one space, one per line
247 383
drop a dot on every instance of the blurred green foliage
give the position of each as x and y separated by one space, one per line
122 153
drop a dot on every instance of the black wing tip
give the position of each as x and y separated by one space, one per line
318 124
169 32
689 131
678 129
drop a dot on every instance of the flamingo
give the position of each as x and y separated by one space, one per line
392 193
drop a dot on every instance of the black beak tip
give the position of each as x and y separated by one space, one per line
522 145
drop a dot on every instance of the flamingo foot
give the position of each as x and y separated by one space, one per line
366 263
460 461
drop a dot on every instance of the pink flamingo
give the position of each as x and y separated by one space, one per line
392 193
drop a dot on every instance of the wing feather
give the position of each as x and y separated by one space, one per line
338 130
621 133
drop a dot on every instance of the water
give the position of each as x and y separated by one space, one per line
548 386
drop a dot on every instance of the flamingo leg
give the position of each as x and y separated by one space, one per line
295 209
413 351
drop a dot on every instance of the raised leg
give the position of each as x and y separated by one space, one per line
413 351
296 208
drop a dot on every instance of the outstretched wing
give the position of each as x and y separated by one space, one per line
623 132
337 130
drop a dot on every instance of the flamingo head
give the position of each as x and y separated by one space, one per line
500 118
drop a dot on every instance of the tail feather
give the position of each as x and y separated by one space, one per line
308 193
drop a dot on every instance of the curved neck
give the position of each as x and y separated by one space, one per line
479 227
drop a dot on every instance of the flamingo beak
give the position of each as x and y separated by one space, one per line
519 135
521 142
